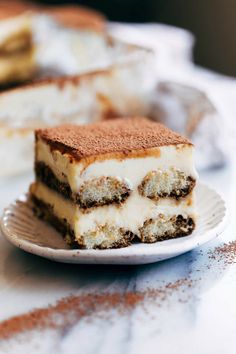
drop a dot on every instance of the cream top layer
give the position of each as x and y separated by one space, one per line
132 169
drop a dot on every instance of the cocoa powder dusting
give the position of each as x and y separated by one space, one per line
119 135
70 310
225 253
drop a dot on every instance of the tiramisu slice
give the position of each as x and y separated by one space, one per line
106 184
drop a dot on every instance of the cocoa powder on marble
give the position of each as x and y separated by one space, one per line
225 253
68 311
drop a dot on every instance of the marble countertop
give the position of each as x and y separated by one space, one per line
197 318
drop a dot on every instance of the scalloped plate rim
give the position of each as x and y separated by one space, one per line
161 250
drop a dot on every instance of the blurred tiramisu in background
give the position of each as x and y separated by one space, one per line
27 39
80 75
78 17
69 64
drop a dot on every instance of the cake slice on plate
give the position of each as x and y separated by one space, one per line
106 184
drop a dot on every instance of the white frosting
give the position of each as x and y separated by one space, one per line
130 215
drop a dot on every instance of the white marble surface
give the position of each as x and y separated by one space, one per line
199 319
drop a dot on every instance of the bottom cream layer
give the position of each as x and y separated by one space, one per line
115 225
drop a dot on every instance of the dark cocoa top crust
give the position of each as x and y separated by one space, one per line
121 135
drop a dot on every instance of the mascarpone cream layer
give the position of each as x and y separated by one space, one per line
130 215
132 169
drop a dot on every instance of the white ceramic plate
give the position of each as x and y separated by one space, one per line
24 230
